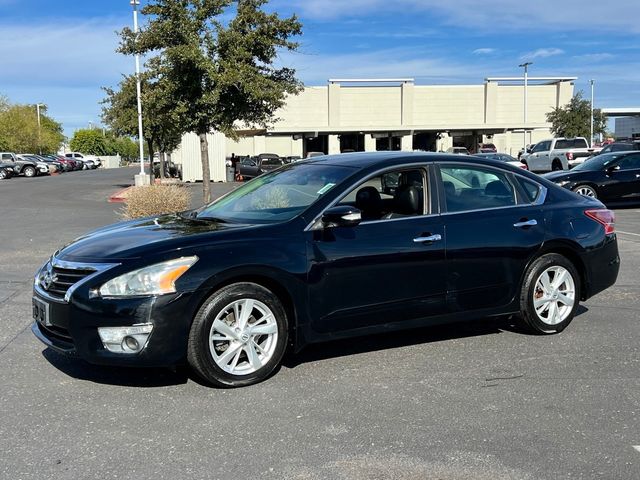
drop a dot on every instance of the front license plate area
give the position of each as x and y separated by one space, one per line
41 312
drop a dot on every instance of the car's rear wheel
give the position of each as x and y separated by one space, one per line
238 336
550 294
29 172
586 190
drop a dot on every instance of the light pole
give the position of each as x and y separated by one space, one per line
524 129
591 128
38 105
142 178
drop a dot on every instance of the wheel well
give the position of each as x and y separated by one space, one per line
273 285
575 259
556 161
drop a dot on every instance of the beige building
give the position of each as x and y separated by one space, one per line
394 114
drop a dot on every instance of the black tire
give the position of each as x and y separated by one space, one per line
586 190
530 317
199 354
29 171
556 165
3 174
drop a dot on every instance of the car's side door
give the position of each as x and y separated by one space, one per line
626 179
538 160
493 228
389 268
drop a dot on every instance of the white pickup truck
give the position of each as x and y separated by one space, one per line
558 154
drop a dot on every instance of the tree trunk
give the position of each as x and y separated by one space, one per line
163 164
206 174
150 153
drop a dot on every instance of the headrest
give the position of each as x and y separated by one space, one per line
407 201
368 198
497 189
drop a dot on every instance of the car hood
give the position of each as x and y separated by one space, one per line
559 175
137 238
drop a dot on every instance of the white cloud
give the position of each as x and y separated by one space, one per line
594 57
541 15
484 51
542 53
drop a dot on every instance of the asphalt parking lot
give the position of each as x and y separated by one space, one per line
479 400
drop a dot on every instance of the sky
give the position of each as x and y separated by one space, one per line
61 53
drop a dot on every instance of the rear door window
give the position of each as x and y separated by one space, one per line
630 162
475 188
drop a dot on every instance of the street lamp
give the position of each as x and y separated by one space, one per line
524 129
142 178
38 105
591 128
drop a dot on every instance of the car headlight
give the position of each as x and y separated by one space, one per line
562 183
155 279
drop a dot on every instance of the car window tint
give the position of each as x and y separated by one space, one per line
474 188
562 144
531 189
580 143
541 147
620 147
630 162
395 194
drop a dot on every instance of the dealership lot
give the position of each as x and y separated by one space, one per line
476 400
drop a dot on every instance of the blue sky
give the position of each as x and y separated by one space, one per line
61 53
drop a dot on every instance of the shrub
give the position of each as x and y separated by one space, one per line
156 200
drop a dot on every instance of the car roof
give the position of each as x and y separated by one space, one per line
361 160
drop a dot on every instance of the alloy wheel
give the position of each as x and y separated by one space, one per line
585 191
243 336
554 295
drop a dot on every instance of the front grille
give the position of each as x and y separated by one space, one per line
62 279
56 333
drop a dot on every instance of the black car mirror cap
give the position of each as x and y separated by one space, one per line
343 216
613 168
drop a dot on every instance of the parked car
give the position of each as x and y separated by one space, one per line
503 157
610 177
525 150
255 166
487 148
21 166
6 171
43 167
83 157
557 154
51 165
458 150
66 164
315 154
620 147
321 249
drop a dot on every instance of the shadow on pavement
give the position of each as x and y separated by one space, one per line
405 338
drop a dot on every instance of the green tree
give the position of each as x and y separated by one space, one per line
89 141
160 114
574 119
19 130
219 73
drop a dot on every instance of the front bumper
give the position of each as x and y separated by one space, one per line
73 328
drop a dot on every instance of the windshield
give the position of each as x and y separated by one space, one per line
277 196
597 163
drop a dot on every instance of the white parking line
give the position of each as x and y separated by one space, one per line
637 447
628 233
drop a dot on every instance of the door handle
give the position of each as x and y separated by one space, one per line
527 223
430 238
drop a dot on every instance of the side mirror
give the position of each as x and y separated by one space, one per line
344 216
613 168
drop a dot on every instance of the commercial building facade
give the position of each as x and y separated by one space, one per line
393 114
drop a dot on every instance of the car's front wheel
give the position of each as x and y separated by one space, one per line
3 174
550 294
238 336
586 190
29 172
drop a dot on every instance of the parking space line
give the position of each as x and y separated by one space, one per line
628 233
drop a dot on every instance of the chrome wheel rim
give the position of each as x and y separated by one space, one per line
585 191
554 295
243 336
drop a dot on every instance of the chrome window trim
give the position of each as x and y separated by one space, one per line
97 267
316 222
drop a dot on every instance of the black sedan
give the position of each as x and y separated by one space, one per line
326 248
610 177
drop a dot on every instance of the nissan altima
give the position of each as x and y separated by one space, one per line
326 248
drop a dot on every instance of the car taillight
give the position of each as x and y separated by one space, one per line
524 165
604 217
569 155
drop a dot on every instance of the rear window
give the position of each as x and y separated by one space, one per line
580 143
272 162
562 144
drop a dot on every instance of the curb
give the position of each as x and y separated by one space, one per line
120 196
